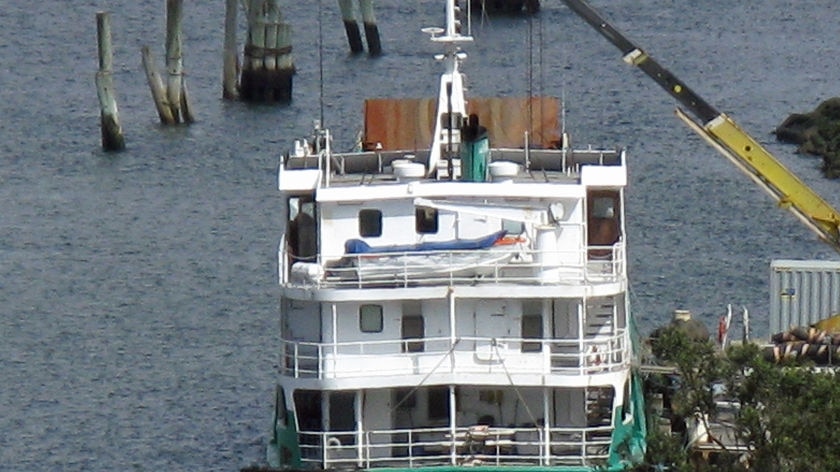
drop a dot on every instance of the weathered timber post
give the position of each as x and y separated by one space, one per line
272 19
371 30
354 37
112 137
230 86
176 88
171 99
268 66
157 88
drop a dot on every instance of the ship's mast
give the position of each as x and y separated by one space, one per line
451 105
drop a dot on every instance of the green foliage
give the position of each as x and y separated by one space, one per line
700 368
789 414
665 452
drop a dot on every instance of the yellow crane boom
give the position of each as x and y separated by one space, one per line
727 137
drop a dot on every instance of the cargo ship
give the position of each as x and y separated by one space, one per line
461 303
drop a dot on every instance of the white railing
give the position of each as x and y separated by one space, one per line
498 265
474 445
466 355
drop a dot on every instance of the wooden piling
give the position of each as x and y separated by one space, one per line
174 62
256 37
272 20
230 85
112 136
354 36
371 29
156 87
171 99
268 65
174 13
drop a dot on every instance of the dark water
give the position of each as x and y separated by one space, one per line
138 311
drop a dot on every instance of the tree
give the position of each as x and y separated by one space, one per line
788 415
690 394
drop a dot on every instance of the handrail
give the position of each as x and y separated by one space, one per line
591 355
499 265
438 446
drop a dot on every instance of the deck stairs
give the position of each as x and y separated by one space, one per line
599 319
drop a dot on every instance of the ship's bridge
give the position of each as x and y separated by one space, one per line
544 217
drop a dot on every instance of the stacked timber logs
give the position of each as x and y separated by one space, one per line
805 344
171 99
112 136
268 66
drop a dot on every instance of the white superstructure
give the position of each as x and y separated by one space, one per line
459 305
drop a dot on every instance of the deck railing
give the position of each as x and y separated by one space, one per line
464 355
498 265
459 446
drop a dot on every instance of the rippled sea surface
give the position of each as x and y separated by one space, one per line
138 299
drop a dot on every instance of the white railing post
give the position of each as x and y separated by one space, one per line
295 360
281 261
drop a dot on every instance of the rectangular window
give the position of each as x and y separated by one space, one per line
405 398
370 223
370 318
425 220
513 228
302 230
603 207
413 327
343 416
532 329
438 403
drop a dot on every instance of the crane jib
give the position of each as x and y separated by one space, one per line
727 137
636 56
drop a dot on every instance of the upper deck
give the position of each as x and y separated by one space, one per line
307 171
560 212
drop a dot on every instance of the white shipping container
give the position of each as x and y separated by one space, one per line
802 292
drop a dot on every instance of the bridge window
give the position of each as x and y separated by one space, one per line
603 207
370 223
426 220
370 318
303 228
604 227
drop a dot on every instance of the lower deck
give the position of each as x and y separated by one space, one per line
472 446
465 425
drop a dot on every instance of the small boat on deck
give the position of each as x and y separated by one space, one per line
423 262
